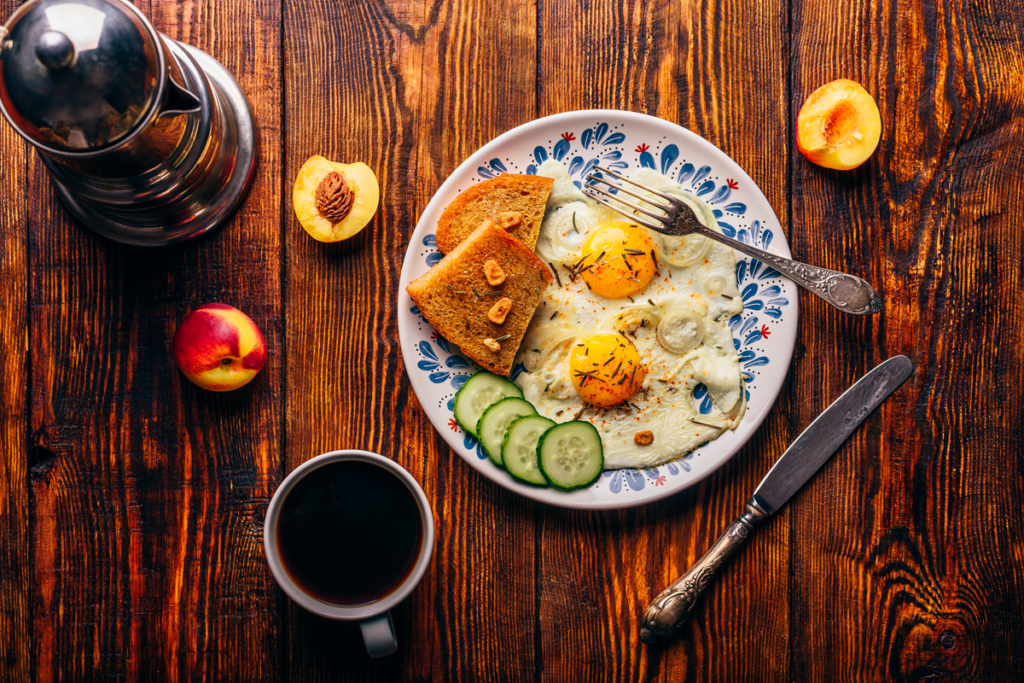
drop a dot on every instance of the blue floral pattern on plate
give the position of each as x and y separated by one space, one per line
764 297
763 333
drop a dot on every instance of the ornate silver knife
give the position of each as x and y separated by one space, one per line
789 473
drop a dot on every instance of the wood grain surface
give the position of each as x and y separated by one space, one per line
16 457
132 502
916 526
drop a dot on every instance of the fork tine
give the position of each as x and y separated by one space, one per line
629 192
636 207
647 224
663 195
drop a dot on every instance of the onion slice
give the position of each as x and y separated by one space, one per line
681 330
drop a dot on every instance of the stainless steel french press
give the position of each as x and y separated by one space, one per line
148 141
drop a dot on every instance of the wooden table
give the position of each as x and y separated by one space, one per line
132 503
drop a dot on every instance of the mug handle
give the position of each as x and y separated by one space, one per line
379 635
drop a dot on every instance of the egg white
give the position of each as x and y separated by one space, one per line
695 289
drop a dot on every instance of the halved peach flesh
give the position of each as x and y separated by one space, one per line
839 125
365 198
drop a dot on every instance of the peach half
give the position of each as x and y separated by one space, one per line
838 126
334 201
219 348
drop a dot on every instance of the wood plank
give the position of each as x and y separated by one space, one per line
147 526
685 63
15 458
410 88
913 532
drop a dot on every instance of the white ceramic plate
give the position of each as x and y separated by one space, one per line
764 333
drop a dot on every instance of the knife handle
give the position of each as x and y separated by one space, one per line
673 606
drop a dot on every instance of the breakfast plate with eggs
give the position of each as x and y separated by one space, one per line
672 349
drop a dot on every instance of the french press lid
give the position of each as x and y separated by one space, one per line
79 76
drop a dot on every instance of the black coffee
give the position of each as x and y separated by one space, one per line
349 533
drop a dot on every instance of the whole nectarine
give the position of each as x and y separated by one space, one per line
219 348
838 126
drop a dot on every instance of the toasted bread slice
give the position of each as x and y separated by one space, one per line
455 297
527 194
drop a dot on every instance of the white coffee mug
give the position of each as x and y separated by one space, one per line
374 618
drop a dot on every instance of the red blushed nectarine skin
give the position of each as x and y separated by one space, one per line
219 348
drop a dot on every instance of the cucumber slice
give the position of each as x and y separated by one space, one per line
570 455
480 392
495 421
519 450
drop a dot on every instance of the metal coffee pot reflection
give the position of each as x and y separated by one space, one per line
148 141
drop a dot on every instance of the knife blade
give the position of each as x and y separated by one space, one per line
791 471
826 434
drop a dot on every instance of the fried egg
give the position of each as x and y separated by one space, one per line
636 322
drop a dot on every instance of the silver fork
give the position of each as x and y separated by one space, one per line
846 292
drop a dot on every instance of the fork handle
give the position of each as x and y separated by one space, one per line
846 292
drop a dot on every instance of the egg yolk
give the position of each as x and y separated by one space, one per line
618 260
606 369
